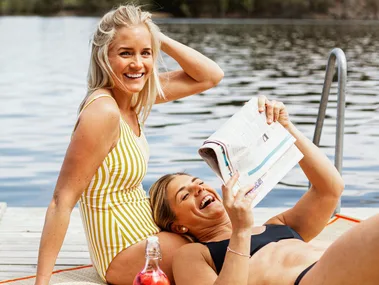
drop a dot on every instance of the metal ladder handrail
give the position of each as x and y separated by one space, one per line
338 54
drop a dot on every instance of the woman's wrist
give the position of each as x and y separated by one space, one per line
241 234
42 279
163 39
239 243
290 127
237 252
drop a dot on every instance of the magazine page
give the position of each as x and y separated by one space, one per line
263 154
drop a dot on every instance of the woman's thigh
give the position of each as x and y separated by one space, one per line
126 265
352 259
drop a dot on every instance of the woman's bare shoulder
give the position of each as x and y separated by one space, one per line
191 260
193 251
101 104
100 91
99 111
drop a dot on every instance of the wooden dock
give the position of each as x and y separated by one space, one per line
20 232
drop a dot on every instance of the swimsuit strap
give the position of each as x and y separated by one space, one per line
89 103
93 99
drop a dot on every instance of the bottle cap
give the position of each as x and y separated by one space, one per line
153 249
153 239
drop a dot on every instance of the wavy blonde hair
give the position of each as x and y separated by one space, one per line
162 212
100 71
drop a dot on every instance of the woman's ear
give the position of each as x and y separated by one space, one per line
178 229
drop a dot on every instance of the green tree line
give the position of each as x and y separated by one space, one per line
177 8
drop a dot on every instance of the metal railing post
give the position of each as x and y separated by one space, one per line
338 54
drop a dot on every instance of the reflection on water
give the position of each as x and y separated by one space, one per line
43 72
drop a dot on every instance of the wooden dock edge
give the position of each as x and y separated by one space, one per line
3 207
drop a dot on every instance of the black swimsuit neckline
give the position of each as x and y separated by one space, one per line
272 233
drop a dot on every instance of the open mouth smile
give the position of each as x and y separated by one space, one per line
207 200
134 75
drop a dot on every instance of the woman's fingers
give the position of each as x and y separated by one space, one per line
273 108
269 111
246 195
250 197
261 103
227 189
277 108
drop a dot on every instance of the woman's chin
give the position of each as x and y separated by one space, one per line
217 210
130 89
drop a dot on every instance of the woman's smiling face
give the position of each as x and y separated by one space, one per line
131 58
194 202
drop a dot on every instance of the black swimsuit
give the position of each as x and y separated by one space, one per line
273 233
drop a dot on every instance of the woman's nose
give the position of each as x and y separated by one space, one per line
137 62
197 189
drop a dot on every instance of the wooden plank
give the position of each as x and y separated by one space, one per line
3 207
11 272
34 254
20 233
22 268
33 261
26 246
31 269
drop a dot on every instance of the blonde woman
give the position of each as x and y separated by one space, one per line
231 250
107 157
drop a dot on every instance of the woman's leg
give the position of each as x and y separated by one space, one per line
353 259
126 265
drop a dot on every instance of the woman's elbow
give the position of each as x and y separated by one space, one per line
338 187
341 186
62 203
217 76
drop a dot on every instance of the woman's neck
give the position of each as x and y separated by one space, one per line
220 231
124 101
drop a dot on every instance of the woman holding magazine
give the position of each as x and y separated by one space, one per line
231 250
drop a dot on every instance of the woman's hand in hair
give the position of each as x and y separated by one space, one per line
238 206
275 111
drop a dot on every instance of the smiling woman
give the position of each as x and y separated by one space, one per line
107 157
229 249
132 64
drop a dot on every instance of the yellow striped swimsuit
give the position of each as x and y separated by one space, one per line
115 210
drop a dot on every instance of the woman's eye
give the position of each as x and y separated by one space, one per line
125 53
201 183
185 197
147 53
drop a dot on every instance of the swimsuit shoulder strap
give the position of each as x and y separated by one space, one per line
89 103
92 100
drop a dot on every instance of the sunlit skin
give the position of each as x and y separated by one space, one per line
350 260
185 194
131 58
283 260
212 223
97 132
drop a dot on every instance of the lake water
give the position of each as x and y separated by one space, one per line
43 65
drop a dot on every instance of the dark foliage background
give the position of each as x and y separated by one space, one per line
362 9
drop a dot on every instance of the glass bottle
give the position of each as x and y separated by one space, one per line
151 274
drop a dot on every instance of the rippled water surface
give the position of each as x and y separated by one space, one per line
43 65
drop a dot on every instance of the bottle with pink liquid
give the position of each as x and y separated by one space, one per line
151 274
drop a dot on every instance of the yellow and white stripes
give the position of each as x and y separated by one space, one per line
115 210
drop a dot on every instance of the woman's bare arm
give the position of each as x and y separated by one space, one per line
198 72
312 212
235 269
97 131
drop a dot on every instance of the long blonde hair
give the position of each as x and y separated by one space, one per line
162 212
100 71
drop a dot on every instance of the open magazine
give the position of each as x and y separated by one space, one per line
262 154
